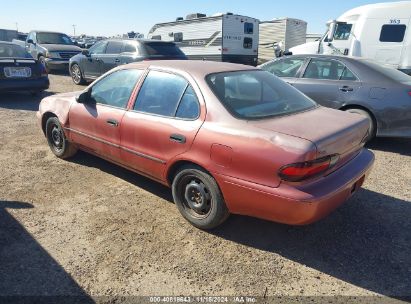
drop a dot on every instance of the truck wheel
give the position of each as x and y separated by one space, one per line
372 125
76 75
43 62
198 198
57 141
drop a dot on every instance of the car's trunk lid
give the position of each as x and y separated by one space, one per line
331 131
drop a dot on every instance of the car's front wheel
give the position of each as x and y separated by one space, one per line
199 198
76 74
57 141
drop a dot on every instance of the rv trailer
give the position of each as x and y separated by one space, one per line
283 32
222 37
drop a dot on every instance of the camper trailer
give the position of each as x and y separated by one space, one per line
222 37
283 33
377 31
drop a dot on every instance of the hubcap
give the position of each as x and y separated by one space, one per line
57 138
197 197
75 73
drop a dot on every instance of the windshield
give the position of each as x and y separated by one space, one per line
388 71
13 51
164 49
53 38
257 94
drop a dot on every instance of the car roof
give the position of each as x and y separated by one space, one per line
196 68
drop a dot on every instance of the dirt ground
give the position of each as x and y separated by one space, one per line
88 228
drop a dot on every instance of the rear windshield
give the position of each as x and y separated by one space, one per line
13 51
257 94
164 49
53 38
388 71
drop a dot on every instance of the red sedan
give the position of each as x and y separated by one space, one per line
226 138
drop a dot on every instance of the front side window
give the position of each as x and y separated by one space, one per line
168 95
248 43
393 33
98 48
248 28
324 69
343 31
257 94
115 89
288 67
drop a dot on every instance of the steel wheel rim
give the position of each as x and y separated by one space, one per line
75 73
196 197
56 138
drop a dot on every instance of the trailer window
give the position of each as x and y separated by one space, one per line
178 37
343 31
156 37
248 28
392 32
248 43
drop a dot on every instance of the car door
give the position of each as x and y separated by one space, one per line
162 123
95 124
91 64
328 82
111 57
288 68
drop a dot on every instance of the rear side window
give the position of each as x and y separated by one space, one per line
162 48
392 32
167 94
248 28
114 47
115 89
248 43
257 94
285 68
129 48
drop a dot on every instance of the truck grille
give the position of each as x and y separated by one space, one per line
67 55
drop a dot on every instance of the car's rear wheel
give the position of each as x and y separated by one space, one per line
57 141
76 74
372 130
199 198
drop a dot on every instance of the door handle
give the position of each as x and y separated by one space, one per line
112 122
346 89
181 139
117 60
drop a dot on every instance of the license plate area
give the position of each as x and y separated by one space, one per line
17 72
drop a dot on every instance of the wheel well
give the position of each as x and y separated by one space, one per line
44 119
347 107
172 171
39 55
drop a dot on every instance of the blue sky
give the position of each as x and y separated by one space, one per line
111 17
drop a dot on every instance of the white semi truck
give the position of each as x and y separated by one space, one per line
377 31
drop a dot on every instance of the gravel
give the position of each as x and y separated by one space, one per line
86 227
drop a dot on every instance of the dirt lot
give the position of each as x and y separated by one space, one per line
87 227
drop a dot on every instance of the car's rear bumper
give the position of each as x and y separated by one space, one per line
297 204
11 85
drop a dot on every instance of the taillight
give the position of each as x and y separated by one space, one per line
409 93
301 171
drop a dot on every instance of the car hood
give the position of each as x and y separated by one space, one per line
61 47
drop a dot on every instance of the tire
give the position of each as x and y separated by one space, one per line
206 208
57 141
76 75
372 125
43 61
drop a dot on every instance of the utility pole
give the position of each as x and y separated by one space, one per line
17 26
74 29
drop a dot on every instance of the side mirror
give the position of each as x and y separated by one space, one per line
85 53
84 97
331 30
30 41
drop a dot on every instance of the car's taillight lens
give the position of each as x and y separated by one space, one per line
409 93
301 171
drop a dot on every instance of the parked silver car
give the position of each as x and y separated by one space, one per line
356 85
